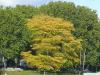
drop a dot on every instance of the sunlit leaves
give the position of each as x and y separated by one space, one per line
53 42
43 62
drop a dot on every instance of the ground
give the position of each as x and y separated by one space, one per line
23 73
32 73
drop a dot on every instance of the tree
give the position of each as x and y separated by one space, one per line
85 21
52 44
26 11
14 35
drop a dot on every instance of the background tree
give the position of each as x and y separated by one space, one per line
26 11
14 35
85 22
52 44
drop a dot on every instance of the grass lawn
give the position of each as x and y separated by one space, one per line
23 73
33 73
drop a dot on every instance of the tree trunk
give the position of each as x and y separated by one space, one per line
44 72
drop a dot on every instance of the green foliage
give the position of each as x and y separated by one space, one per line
13 33
85 22
26 11
14 36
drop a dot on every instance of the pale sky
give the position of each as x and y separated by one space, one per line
93 4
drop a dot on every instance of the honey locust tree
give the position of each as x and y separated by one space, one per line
52 44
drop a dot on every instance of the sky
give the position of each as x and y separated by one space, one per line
93 4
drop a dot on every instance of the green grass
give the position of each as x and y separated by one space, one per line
32 73
23 73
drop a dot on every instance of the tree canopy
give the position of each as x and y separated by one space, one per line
85 21
52 44
49 36
13 33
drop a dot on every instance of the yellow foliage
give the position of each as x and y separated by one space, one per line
53 43
43 62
